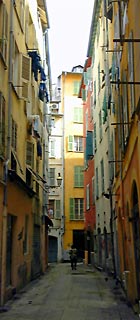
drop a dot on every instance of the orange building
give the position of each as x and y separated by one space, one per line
127 143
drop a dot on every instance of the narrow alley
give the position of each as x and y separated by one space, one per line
62 294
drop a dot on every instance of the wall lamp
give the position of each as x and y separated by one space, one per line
59 179
107 195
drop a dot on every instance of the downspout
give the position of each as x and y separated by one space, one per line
45 166
8 151
63 166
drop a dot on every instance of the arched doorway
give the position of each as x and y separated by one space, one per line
136 233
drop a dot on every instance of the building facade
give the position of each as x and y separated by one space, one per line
126 184
86 93
69 82
24 89
56 175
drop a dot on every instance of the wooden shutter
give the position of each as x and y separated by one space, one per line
78 176
2 124
71 209
29 153
131 73
4 33
25 75
94 101
70 143
57 213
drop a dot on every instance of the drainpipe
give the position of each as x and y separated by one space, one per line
63 167
107 90
45 166
4 215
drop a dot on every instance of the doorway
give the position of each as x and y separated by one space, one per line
136 234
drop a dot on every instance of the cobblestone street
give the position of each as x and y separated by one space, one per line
62 294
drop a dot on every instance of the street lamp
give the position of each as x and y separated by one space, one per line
59 179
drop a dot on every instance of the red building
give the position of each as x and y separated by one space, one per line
86 92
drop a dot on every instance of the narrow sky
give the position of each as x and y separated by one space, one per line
70 22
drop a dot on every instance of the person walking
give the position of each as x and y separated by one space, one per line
73 257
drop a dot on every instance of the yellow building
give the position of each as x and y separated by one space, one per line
73 161
23 99
125 93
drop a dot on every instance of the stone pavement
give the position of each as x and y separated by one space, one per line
62 294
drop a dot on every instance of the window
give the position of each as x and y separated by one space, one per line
102 176
78 115
93 191
30 154
125 110
76 86
99 82
76 209
75 143
78 176
51 209
91 106
98 30
2 124
3 32
58 209
100 126
78 144
111 157
14 135
97 184
52 148
84 94
88 197
104 108
52 122
89 145
20 9
52 176
131 73
25 242
108 10
94 92
94 135
21 70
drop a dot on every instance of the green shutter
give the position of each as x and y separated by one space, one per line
104 108
78 176
81 115
57 213
89 73
99 77
70 143
83 94
71 209
89 145
78 115
94 134
94 93
113 70
76 85
85 78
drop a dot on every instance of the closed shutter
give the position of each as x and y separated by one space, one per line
57 213
70 143
2 124
78 176
4 33
25 74
131 73
72 209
